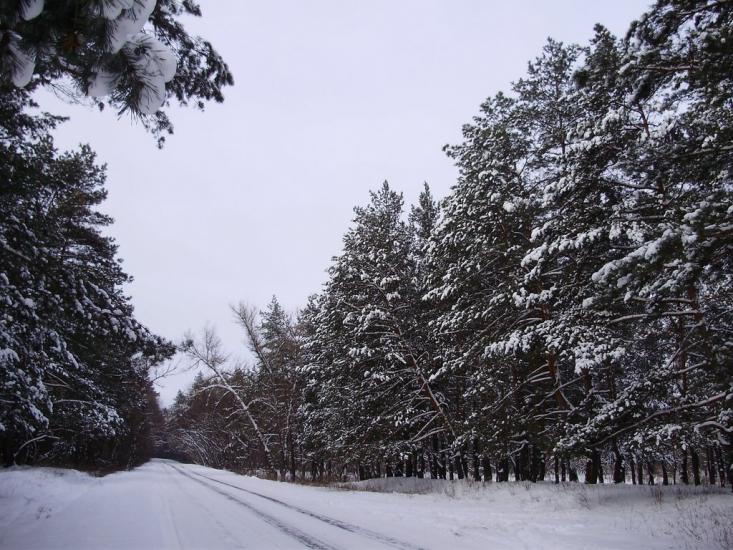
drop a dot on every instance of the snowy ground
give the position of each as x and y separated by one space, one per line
169 505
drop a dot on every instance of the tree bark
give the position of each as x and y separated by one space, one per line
633 470
487 468
476 464
665 477
459 466
619 470
695 466
650 471
710 465
684 476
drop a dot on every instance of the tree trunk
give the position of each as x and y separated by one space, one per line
502 470
434 459
523 464
721 465
535 465
487 468
476 464
665 477
633 470
695 466
684 476
599 466
557 470
593 468
710 465
291 446
591 477
433 462
650 471
459 466
619 470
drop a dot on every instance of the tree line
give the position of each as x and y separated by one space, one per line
566 307
75 363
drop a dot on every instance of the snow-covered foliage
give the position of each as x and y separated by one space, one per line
571 302
73 359
133 55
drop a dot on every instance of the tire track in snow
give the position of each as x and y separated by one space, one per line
297 534
229 536
351 528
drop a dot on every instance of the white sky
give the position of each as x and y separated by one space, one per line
251 197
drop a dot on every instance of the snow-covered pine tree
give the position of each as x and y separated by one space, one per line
133 55
367 358
424 218
475 258
74 376
573 296
569 241
667 143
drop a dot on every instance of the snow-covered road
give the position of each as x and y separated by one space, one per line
167 505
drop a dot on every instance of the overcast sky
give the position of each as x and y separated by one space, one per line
251 197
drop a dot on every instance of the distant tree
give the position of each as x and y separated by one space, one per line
233 384
276 347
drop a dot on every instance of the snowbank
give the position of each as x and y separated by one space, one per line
27 493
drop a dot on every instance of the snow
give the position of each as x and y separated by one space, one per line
165 504
111 9
23 64
155 64
102 83
129 23
30 9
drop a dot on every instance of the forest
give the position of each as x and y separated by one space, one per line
564 314
75 388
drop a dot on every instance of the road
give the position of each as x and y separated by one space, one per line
167 505
164 505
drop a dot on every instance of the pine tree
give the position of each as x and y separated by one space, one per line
74 361
671 245
132 55
368 357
